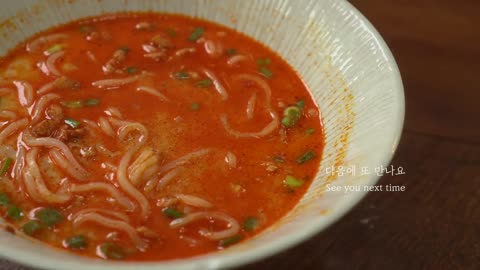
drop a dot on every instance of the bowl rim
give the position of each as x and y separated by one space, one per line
273 247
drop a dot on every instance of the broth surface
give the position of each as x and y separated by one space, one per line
150 137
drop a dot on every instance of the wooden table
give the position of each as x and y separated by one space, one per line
435 223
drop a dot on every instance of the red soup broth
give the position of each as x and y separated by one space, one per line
149 137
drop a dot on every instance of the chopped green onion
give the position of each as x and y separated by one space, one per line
55 48
266 72
292 182
309 131
49 216
73 104
181 75
250 224
231 51
77 104
76 242
92 102
73 123
196 34
309 155
301 103
5 166
291 115
14 212
31 227
287 122
279 159
230 241
125 49
204 83
4 199
131 70
171 32
86 29
264 61
195 106
112 251
172 213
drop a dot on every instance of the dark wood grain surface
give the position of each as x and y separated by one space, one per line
435 223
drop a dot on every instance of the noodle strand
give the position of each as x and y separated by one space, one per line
12 128
108 188
232 224
113 224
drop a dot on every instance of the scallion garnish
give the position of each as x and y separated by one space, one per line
172 213
309 155
181 75
204 83
49 216
171 32
92 102
230 241
112 251
279 159
14 212
76 242
266 72
31 227
55 48
309 131
77 104
131 70
262 67
231 51
195 106
291 115
293 182
264 61
250 224
72 104
301 103
5 166
196 34
4 199
73 123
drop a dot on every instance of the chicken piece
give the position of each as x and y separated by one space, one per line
55 112
47 127
66 133
54 127
161 41
44 128
157 48
114 64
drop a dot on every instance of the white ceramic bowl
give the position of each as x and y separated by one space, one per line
344 61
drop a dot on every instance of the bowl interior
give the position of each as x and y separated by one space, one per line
340 56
